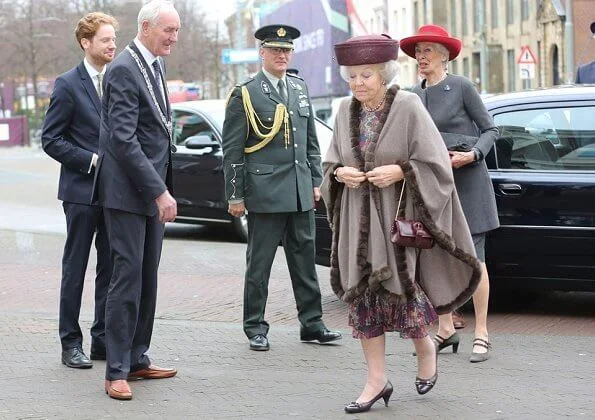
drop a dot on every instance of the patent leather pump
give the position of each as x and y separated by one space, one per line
442 343
355 407
424 386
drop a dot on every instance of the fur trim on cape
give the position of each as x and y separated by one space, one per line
373 280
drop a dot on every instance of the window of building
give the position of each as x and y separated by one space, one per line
416 14
511 70
509 12
478 15
466 68
524 9
494 13
453 17
464 16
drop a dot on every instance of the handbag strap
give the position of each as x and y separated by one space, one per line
400 198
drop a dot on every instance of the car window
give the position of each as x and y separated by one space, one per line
547 139
324 134
187 124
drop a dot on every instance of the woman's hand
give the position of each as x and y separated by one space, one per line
460 159
385 176
351 177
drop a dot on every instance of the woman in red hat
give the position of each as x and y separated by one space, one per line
469 133
382 146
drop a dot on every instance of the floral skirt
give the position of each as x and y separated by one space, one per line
371 315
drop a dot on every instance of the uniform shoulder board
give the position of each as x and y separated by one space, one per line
245 82
294 75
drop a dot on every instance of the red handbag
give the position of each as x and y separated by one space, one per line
413 233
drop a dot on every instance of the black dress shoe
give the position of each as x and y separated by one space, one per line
97 351
259 342
322 336
98 355
75 358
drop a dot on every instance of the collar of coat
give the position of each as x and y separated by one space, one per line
372 280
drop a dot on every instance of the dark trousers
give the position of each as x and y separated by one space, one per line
296 232
82 223
135 242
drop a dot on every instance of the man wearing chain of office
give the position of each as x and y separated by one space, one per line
273 172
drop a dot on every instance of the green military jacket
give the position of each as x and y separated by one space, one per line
274 178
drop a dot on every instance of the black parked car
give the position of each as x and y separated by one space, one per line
543 172
198 164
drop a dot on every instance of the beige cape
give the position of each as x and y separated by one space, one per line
362 255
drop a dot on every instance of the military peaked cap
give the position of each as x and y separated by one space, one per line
277 36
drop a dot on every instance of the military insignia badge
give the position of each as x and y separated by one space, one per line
265 87
281 32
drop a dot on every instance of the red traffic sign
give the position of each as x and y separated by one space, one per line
526 56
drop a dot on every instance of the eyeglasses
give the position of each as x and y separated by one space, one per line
278 51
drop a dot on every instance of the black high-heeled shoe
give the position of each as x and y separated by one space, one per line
442 343
355 407
424 386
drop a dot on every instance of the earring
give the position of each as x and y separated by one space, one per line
383 82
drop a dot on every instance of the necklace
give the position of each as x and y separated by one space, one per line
438 81
377 107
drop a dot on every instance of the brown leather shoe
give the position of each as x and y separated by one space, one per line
458 320
152 372
118 389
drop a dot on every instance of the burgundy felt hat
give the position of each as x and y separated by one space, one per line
432 33
366 49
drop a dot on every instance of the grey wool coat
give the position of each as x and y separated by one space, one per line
363 256
456 107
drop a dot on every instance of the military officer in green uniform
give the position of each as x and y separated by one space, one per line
273 172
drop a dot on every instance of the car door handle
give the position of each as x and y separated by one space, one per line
510 189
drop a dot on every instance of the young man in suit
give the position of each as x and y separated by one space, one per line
272 169
133 184
71 136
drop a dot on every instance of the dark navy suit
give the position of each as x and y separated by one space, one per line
133 170
71 136
586 73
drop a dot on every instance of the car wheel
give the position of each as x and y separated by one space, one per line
240 225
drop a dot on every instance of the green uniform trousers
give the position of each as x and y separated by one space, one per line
296 231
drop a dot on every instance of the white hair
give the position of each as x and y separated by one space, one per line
388 70
443 51
150 12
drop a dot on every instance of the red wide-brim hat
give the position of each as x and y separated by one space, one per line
432 33
366 49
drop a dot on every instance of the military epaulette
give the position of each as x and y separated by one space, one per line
245 82
294 75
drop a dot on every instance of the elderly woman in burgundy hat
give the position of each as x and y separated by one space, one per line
469 133
384 142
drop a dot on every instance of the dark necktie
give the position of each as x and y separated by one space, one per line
282 90
158 79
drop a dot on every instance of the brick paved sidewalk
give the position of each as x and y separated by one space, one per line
528 377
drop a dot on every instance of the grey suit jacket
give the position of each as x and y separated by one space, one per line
134 144
456 107
586 73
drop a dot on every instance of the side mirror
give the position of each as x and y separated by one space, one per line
201 142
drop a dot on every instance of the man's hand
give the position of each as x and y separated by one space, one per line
317 194
168 208
385 176
351 177
459 159
237 209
